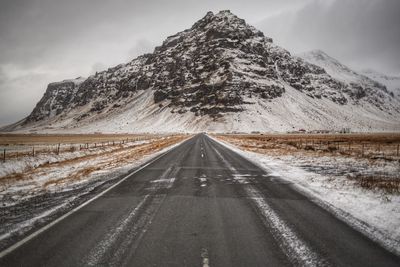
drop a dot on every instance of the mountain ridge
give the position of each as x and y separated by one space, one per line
217 75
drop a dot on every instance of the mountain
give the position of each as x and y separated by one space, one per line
358 85
220 75
392 83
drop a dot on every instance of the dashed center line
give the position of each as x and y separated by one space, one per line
204 256
203 180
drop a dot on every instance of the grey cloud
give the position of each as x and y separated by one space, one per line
362 33
141 47
50 40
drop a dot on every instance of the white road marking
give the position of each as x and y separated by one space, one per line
203 180
241 178
167 183
204 256
44 228
297 251
100 249
129 229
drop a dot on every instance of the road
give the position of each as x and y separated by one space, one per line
200 204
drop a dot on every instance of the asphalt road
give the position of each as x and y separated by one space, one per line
200 204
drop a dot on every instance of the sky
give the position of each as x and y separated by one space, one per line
43 41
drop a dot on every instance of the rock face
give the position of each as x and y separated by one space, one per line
392 83
357 86
57 98
218 66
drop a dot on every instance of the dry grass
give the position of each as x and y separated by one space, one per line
16 146
365 137
385 183
32 139
370 147
373 146
105 160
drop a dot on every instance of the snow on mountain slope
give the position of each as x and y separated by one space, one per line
360 86
293 110
56 98
220 75
392 83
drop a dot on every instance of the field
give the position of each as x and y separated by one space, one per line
32 139
63 171
380 145
369 160
21 145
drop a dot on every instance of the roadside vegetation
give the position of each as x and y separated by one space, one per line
313 151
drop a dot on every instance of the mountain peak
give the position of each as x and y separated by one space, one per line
224 21
218 69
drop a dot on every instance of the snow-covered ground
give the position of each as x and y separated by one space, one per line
324 179
293 111
36 190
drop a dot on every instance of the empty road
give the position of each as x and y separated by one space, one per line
200 204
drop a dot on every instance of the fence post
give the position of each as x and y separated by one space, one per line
4 155
33 151
397 150
58 149
362 150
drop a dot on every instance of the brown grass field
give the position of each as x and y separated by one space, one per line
372 147
96 160
14 146
382 145
31 139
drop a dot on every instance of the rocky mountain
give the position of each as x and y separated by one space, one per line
392 83
56 99
358 86
220 75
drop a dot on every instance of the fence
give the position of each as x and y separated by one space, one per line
18 151
385 147
368 149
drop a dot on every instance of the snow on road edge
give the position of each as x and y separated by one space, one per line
355 211
119 174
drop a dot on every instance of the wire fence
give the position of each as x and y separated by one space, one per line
9 152
373 149
363 149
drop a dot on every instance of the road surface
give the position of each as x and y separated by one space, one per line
200 204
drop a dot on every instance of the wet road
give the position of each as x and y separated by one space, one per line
200 204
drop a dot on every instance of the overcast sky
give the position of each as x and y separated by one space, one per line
42 41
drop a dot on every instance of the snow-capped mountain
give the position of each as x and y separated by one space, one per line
358 85
392 83
220 75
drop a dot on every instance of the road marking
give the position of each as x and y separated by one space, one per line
203 180
297 251
44 228
99 250
204 256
